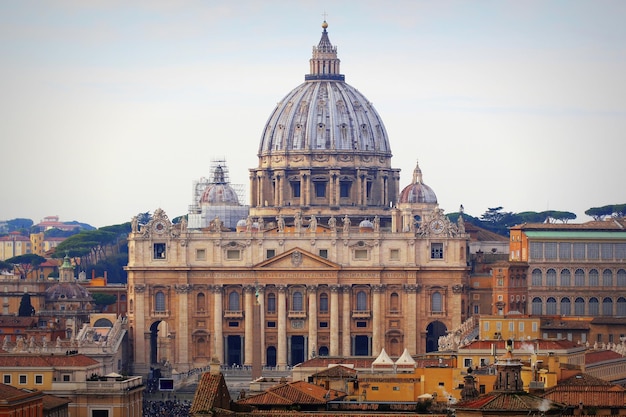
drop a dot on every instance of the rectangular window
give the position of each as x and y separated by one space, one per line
270 253
498 325
394 254
396 388
579 251
159 251
550 250
476 309
38 379
467 362
606 250
323 253
99 413
295 189
534 326
481 389
521 326
6 379
436 251
22 379
374 388
536 250
344 189
320 189
486 326
271 324
323 324
620 251
511 326
233 324
361 324
565 251
233 254
200 254
593 251
360 254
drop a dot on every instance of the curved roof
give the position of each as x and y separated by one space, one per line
324 114
417 191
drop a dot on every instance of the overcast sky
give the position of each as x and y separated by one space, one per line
111 108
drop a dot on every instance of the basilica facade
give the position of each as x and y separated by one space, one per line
331 257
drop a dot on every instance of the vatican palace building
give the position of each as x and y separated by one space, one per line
331 255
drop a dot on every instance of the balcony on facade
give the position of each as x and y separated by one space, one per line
361 314
293 314
233 314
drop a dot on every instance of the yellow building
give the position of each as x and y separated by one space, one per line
14 244
506 327
338 257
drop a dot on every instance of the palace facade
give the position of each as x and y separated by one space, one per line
332 257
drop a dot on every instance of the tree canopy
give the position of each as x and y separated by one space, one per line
599 213
26 263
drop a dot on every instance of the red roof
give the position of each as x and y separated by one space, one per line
601 356
40 361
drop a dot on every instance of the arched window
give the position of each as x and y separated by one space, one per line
361 301
607 278
200 302
323 351
594 278
394 302
566 307
579 278
536 277
607 306
233 301
551 278
551 306
159 301
566 278
437 302
594 306
537 306
296 301
271 303
621 306
323 303
621 278
579 307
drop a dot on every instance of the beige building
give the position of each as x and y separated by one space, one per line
332 258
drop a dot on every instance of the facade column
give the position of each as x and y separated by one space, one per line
261 300
410 328
302 188
346 332
261 195
377 319
333 189
248 294
312 345
252 197
218 335
281 351
334 320
183 340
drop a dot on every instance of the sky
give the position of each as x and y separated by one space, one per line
112 108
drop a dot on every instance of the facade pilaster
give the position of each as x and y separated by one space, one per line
183 338
142 345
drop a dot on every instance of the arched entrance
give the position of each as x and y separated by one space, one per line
434 330
159 342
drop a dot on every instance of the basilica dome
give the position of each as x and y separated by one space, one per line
417 191
324 114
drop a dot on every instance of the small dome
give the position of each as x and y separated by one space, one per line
67 291
418 192
220 194
366 224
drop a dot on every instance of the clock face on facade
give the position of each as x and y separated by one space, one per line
159 227
436 226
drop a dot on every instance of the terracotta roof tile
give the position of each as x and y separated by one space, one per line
338 371
51 402
601 356
299 392
37 361
508 401
211 393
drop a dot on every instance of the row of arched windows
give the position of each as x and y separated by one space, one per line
581 278
593 306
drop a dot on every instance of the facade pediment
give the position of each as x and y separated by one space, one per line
297 258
